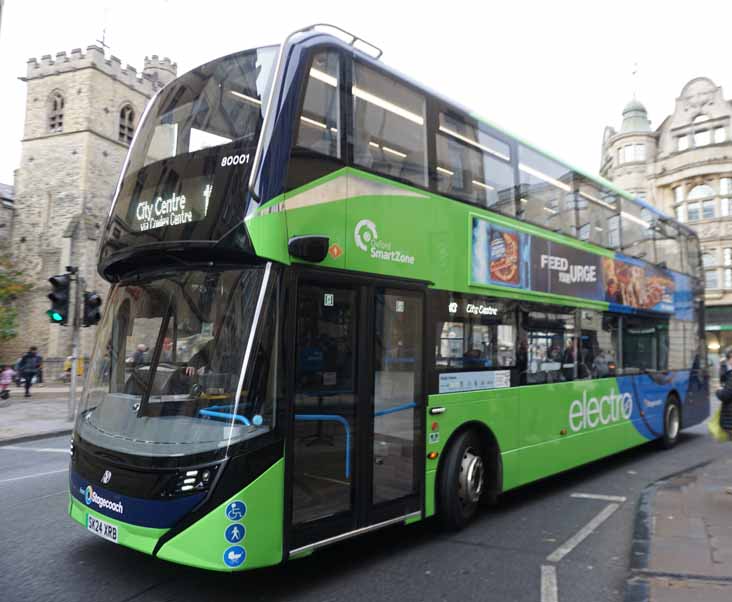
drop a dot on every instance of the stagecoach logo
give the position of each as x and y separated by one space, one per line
92 497
106 477
367 239
590 413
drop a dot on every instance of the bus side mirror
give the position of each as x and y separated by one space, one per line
311 248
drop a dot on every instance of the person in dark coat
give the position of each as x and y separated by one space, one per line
30 367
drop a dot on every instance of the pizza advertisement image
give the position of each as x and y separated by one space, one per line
504 265
497 255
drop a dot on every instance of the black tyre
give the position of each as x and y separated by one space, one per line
462 481
671 423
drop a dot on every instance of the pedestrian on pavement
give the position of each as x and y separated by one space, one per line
30 364
725 367
7 375
720 424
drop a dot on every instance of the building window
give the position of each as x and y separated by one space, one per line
680 213
727 278
702 138
56 113
633 152
126 124
700 192
727 256
725 186
701 118
708 258
719 135
709 209
725 205
710 279
693 212
682 142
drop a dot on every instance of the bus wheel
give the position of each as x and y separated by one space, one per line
462 481
671 423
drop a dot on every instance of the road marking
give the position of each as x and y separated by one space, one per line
597 496
33 476
51 450
582 534
549 591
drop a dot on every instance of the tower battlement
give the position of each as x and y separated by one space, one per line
160 70
146 82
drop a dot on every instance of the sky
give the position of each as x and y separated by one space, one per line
554 73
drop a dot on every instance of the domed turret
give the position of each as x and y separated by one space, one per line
635 117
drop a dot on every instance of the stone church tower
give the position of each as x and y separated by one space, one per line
81 111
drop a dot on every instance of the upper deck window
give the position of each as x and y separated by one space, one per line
212 105
474 166
389 134
546 193
319 127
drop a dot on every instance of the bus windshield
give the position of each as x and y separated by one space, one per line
166 376
206 119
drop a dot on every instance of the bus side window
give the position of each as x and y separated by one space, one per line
645 344
472 335
389 129
598 345
550 347
546 192
319 126
474 166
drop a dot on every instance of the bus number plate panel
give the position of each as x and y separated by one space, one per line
101 528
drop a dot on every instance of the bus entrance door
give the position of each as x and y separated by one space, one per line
358 396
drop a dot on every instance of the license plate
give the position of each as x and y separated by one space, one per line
101 528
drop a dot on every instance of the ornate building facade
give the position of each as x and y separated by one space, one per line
81 111
684 167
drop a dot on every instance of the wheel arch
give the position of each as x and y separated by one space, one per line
674 394
491 450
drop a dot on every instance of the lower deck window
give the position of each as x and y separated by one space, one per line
475 343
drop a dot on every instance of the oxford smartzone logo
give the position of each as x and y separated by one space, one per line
590 413
92 497
367 239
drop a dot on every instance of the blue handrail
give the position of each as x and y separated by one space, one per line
401 408
213 414
332 418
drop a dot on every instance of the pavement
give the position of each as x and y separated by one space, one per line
25 419
682 548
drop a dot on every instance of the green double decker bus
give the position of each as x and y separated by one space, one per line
341 301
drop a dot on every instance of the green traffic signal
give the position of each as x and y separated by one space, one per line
59 296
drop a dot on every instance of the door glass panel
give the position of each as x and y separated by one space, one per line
325 397
397 392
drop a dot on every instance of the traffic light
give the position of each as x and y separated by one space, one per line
91 313
59 296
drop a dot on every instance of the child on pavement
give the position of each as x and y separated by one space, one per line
6 378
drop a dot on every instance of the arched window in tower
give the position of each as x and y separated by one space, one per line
126 124
56 113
